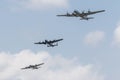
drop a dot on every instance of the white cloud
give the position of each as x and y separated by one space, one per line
94 38
116 40
38 4
55 67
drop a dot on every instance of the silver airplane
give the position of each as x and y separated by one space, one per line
49 43
36 66
83 15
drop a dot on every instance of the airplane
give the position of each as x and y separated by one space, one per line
83 15
50 43
36 66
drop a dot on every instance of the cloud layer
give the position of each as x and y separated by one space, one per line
94 38
116 40
55 67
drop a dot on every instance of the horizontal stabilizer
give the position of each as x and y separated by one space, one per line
87 18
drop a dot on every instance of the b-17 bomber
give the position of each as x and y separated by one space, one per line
50 43
83 15
36 66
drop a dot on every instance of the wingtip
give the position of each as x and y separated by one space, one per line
103 10
61 39
22 68
58 15
34 43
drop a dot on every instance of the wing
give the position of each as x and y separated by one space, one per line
67 15
40 43
94 12
83 14
56 40
39 64
26 67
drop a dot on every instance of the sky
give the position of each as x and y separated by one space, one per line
89 51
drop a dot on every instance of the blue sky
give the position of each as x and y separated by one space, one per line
24 22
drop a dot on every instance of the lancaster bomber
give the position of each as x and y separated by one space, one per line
36 66
49 43
83 15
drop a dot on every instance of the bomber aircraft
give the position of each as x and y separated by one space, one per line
83 15
36 66
49 43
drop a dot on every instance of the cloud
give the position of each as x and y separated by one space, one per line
55 67
116 39
94 38
38 4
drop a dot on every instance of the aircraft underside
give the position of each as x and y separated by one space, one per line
52 45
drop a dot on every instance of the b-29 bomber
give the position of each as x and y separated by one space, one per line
83 15
49 43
